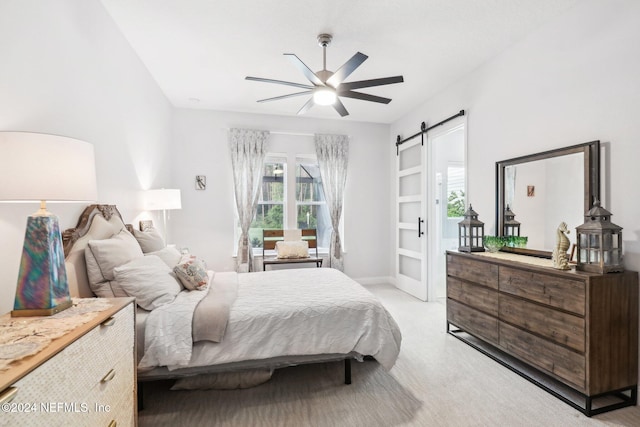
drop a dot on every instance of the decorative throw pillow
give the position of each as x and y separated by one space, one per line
170 255
149 280
299 249
192 273
102 256
150 240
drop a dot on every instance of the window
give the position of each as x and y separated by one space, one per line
288 201
311 208
455 191
270 213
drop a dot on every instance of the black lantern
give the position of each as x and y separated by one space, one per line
511 226
599 242
471 232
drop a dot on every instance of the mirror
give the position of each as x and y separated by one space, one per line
545 189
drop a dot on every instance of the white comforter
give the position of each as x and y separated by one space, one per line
299 312
168 332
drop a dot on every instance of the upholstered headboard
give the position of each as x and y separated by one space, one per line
97 222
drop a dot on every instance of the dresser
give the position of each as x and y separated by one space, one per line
86 377
574 334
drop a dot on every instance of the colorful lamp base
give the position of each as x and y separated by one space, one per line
42 288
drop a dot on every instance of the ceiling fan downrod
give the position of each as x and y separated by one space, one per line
324 40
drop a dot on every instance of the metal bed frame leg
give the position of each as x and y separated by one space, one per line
347 371
140 397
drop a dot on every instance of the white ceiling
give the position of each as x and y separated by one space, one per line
199 51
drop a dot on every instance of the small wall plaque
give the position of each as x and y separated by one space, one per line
201 182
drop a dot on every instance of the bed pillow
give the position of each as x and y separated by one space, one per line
150 240
170 255
102 256
299 249
149 280
192 273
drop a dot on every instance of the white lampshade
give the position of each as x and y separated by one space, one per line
162 199
37 166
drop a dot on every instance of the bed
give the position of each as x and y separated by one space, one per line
273 319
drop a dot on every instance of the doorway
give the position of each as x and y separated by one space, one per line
446 200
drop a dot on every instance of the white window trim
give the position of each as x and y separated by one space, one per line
290 213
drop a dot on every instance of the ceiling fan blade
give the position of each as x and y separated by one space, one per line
370 83
280 82
306 106
291 95
364 97
339 106
346 69
305 70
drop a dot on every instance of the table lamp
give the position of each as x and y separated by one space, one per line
37 167
162 199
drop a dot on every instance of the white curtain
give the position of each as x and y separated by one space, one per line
248 149
332 152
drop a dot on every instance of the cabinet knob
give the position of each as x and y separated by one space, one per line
109 376
8 395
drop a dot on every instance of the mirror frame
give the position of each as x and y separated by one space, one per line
591 151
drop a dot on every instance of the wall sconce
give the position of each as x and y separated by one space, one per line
37 167
599 242
470 232
163 199
511 226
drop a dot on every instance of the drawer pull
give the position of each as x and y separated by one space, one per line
113 423
109 322
8 395
109 376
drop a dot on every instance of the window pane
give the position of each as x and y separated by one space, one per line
316 216
311 208
455 192
272 187
308 184
268 216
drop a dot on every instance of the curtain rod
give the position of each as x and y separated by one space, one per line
424 129
278 132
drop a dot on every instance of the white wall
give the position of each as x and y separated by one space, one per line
205 223
67 70
573 81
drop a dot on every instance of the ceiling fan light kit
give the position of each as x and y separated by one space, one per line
324 96
326 86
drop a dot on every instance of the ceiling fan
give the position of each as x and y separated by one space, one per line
327 86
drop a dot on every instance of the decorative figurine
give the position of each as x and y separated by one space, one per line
559 255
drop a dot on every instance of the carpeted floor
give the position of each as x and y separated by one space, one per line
437 381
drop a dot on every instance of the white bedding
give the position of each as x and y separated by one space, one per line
168 332
299 312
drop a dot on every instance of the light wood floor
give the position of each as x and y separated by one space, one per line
437 381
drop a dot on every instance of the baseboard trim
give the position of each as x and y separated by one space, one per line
374 280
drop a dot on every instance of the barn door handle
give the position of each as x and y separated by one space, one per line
420 232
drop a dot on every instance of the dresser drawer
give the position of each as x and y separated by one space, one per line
473 321
555 291
484 299
113 399
545 355
70 382
560 327
472 270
